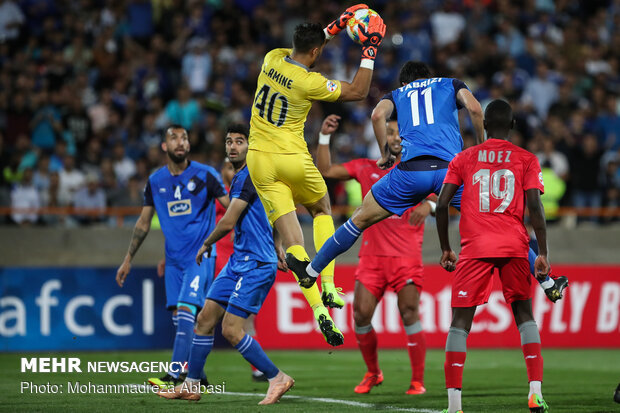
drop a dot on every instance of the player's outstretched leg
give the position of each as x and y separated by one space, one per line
186 316
202 344
328 328
368 214
553 287
166 380
323 226
279 382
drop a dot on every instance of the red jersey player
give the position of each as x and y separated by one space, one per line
499 179
402 272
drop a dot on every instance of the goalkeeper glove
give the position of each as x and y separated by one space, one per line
372 38
340 23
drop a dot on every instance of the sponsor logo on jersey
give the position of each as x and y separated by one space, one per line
462 293
331 86
540 179
182 207
191 185
162 190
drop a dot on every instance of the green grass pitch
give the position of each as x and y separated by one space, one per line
494 380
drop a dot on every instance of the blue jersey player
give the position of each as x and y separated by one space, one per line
183 193
241 287
427 112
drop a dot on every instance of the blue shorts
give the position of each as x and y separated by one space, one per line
188 283
410 183
243 292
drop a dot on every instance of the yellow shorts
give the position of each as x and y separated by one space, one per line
284 180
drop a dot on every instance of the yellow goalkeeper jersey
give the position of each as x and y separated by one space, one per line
284 94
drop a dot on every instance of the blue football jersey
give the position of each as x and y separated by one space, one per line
427 114
185 205
253 233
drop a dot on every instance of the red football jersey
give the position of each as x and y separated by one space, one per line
495 175
394 236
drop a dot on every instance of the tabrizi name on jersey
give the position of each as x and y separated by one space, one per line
422 83
73 365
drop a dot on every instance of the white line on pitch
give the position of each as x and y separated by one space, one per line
338 401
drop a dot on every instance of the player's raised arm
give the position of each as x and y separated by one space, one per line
370 40
224 226
537 219
380 114
448 257
465 98
140 231
323 156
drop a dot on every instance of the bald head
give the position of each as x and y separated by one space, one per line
498 119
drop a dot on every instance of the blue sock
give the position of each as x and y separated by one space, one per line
175 321
531 256
183 338
342 240
201 347
254 354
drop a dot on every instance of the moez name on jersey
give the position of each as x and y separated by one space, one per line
491 157
423 83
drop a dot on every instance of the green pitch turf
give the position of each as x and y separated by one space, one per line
494 380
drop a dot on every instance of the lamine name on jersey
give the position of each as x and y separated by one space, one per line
284 93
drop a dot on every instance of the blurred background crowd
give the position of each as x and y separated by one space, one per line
88 86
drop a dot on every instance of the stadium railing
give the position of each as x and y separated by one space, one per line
120 214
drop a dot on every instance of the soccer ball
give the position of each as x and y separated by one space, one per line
360 18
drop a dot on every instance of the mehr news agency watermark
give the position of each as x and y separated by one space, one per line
75 365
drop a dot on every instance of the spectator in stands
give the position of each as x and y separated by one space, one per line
540 92
11 20
555 159
124 166
608 123
25 196
184 110
586 185
196 66
46 122
71 180
90 200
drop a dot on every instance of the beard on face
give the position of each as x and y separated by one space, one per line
176 158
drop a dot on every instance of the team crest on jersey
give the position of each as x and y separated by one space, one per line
191 185
331 86
540 179
182 207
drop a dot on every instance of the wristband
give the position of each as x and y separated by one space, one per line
324 139
368 64
327 35
433 206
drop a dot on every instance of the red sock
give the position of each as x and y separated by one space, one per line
367 343
453 368
253 368
416 345
533 361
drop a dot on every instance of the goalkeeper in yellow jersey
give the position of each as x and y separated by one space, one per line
278 160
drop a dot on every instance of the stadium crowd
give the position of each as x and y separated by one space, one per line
87 87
